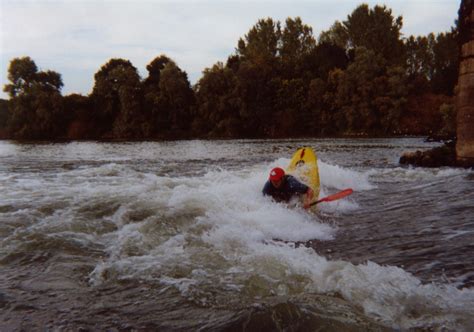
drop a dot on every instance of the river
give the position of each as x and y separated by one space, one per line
176 236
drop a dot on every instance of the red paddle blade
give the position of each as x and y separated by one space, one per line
336 196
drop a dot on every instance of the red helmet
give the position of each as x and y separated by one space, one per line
277 174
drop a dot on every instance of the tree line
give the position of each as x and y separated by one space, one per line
360 77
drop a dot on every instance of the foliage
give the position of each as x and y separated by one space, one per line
446 63
359 78
117 95
296 45
376 30
218 103
80 117
432 62
324 58
154 72
448 113
36 109
4 117
22 74
168 100
336 35
370 94
174 102
261 42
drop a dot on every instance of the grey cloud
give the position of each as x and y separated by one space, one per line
77 37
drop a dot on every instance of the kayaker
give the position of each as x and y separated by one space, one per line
282 187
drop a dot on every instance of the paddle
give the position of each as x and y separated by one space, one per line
330 198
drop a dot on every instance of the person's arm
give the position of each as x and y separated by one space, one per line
302 189
266 189
308 198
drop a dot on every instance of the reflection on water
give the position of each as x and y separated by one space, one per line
177 236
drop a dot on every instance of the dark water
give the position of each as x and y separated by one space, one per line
176 236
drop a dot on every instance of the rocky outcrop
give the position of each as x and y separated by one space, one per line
465 97
441 156
463 153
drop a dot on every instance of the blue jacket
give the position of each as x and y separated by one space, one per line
288 189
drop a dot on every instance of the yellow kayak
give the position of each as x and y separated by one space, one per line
304 167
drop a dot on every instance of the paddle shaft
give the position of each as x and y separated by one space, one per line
334 197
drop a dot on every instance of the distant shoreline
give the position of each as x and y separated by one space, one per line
116 140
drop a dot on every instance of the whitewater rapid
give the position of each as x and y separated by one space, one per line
255 237
204 228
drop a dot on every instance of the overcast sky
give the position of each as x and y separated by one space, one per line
76 37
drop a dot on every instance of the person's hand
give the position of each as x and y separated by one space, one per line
308 198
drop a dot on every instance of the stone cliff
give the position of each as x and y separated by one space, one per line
463 153
465 96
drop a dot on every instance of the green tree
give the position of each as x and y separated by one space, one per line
375 29
22 73
169 100
420 61
333 119
446 63
371 94
151 89
49 81
336 35
175 102
257 87
315 104
448 112
297 43
261 43
258 66
432 62
324 58
117 99
36 105
233 62
419 55
38 115
289 116
391 101
4 118
218 103
79 111
154 69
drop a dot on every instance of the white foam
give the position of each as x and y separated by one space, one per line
219 228
7 149
411 174
338 177
237 233
230 207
